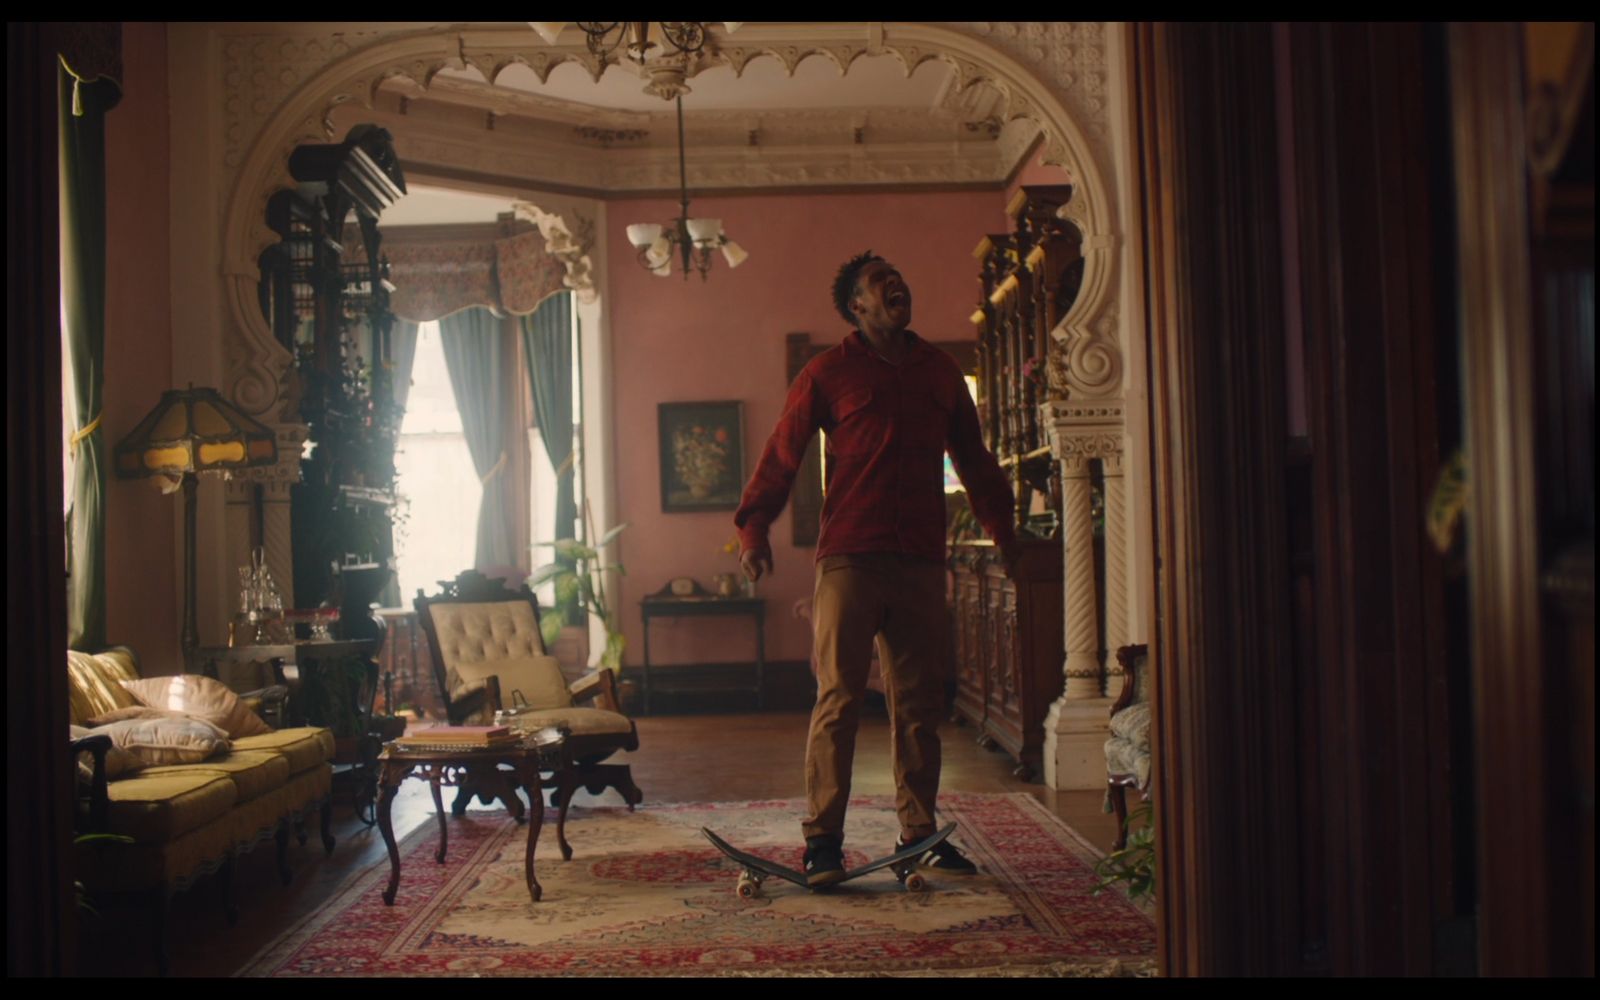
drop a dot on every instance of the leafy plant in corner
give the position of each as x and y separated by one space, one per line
578 576
1135 864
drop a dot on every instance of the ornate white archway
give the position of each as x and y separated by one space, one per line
1055 75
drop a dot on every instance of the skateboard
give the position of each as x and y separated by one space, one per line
754 870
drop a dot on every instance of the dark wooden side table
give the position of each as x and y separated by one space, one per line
543 750
663 606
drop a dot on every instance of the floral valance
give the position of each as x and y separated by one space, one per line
528 274
436 278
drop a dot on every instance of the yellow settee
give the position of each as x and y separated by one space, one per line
188 820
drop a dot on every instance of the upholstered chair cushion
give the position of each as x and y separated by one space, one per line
537 678
580 721
1133 724
460 690
201 697
173 740
472 633
1124 757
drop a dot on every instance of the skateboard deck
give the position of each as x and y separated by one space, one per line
755 869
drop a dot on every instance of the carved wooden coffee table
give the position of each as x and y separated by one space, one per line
542 750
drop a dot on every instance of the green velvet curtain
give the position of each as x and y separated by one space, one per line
547 343
402 358
83 107
475 349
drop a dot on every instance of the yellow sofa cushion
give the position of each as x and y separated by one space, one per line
94 684
304 748
253 772
160 807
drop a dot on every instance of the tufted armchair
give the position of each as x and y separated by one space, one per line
489 655
1128 749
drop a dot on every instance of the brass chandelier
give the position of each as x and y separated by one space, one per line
694 240
603 38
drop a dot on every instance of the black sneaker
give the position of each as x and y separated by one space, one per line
824 862
943 857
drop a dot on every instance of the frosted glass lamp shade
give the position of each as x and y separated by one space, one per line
734 253
704 231
643 234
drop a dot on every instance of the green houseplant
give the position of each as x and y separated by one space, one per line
1135 864
578 575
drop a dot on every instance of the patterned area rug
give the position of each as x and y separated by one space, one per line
645 894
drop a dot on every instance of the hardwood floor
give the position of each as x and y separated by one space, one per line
685 758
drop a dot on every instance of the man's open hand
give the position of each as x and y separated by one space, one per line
756 563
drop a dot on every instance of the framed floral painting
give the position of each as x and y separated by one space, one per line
702 456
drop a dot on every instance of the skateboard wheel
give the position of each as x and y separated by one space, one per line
748 888
915 883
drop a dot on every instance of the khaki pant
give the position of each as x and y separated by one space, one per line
900 601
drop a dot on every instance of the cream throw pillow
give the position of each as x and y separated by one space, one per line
202 698
171 740
118 761
538 677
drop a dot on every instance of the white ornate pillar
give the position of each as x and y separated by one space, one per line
1083 664
1076 726
1118 598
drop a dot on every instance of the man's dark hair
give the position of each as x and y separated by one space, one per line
844 283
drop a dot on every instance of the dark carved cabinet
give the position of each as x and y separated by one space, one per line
1009 648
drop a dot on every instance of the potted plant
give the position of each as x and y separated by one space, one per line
578 576
1135 864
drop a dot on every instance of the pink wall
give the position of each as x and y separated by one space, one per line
677 341
140 523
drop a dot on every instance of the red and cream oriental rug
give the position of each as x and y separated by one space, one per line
646 895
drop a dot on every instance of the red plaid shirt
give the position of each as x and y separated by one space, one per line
888 428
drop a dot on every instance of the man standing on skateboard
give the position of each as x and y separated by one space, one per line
891 405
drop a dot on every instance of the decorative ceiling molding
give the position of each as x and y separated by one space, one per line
1070 59
834 160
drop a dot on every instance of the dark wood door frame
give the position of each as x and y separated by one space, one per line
1304 731
1525 184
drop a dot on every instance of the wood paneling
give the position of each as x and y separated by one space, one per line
1008 644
